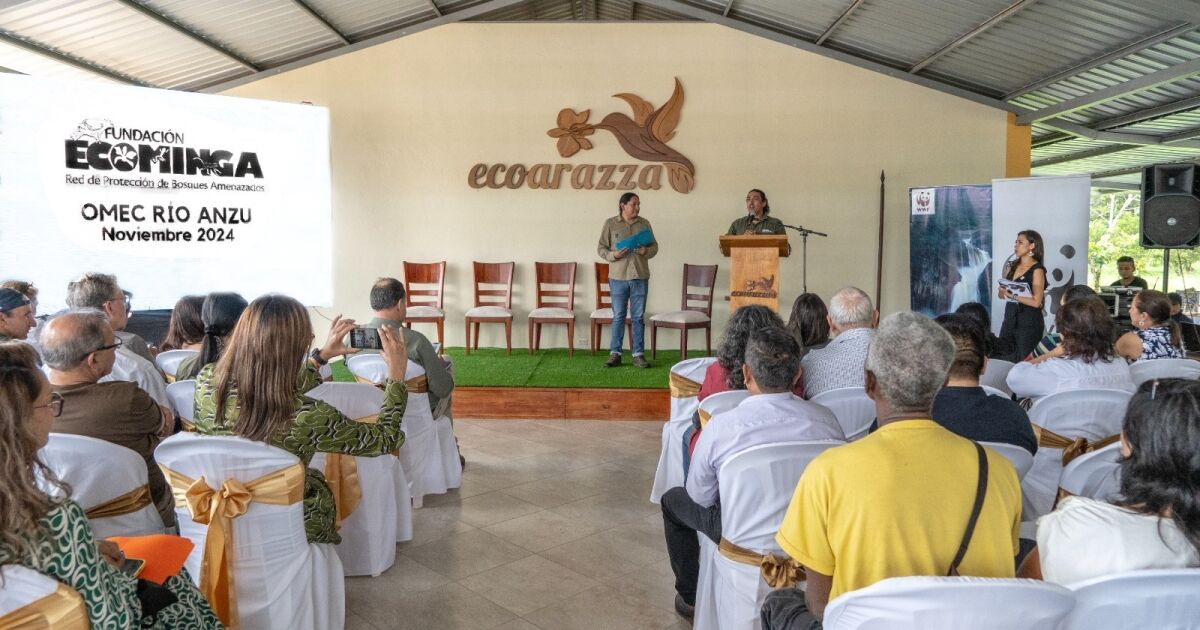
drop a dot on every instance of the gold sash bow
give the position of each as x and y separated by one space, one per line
217 509
127 503
776 572
1071 447
61 610
683 387
415 385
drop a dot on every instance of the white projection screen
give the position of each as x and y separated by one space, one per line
175 193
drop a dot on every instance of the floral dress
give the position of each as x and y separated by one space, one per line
68 554
316 428
1156 344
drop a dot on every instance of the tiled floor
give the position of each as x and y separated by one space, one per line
552 529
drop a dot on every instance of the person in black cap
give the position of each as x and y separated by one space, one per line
16 316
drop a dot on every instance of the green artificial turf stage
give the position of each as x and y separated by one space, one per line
490 367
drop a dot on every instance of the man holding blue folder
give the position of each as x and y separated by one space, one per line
628 244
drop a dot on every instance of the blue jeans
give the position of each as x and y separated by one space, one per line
632 292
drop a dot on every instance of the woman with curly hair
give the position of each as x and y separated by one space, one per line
1086 358
51 535
1155 524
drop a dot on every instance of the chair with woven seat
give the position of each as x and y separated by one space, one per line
554 305
492 305
603 315
695 309
425 304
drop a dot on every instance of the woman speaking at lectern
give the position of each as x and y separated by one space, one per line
1023 321
757 219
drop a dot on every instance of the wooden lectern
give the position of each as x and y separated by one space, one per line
755 275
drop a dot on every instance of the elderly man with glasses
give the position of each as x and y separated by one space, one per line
80 349
101 292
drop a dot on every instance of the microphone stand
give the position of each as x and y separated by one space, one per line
804 234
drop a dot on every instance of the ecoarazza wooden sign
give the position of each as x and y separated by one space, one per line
644 137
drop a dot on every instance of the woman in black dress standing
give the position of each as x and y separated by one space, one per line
1023 320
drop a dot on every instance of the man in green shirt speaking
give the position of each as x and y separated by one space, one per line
756 220
628 274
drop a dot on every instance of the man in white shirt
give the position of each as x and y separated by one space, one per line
772 414
839 364
101 292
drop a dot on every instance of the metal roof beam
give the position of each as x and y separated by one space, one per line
1116 185
436 9
698 13
972 34
325 23
590 11
1082 155
189 33
1135 139
1186 134
1139 84
838 22
8 38
728 7
396 33
1146 114
1123 51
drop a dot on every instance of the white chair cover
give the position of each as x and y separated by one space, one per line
722 401
1088 413
369 533
992 391
756 486
996 375
1095 475
669 473
855 410
280 579
1021 459
1163 599
22 586
97 472
169 361
951 603
423 455
182 395
1142 371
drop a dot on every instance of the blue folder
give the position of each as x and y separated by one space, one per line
645 237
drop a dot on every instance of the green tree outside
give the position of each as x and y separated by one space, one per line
1114 231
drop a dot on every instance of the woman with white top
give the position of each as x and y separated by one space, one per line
1157 335
1156 523
1085 359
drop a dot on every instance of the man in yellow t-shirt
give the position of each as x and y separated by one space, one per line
896 503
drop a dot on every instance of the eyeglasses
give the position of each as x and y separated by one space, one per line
55 404
117 343
128 303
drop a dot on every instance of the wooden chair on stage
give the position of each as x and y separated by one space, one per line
604 313
426 305
554 306
695 309
492 305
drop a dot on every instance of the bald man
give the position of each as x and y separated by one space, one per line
79 349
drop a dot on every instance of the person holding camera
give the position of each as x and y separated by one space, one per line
387 300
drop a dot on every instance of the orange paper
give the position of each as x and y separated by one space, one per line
164 555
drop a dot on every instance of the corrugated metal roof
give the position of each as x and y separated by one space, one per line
1063 49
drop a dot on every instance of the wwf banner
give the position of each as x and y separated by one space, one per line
173 192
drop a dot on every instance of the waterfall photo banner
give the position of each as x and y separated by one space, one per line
950 247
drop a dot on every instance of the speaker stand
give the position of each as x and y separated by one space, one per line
1166 268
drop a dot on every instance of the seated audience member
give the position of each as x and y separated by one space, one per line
16 315
79 349
840 363
1126 268
185 330
101 292
809 322
1177 309
1084 360
772 414
1053 338
52 535
963 407
996 347
895 503
253 391
387 300
219 314
725 373
1156 523
1157 335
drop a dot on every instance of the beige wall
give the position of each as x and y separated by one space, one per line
410 118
